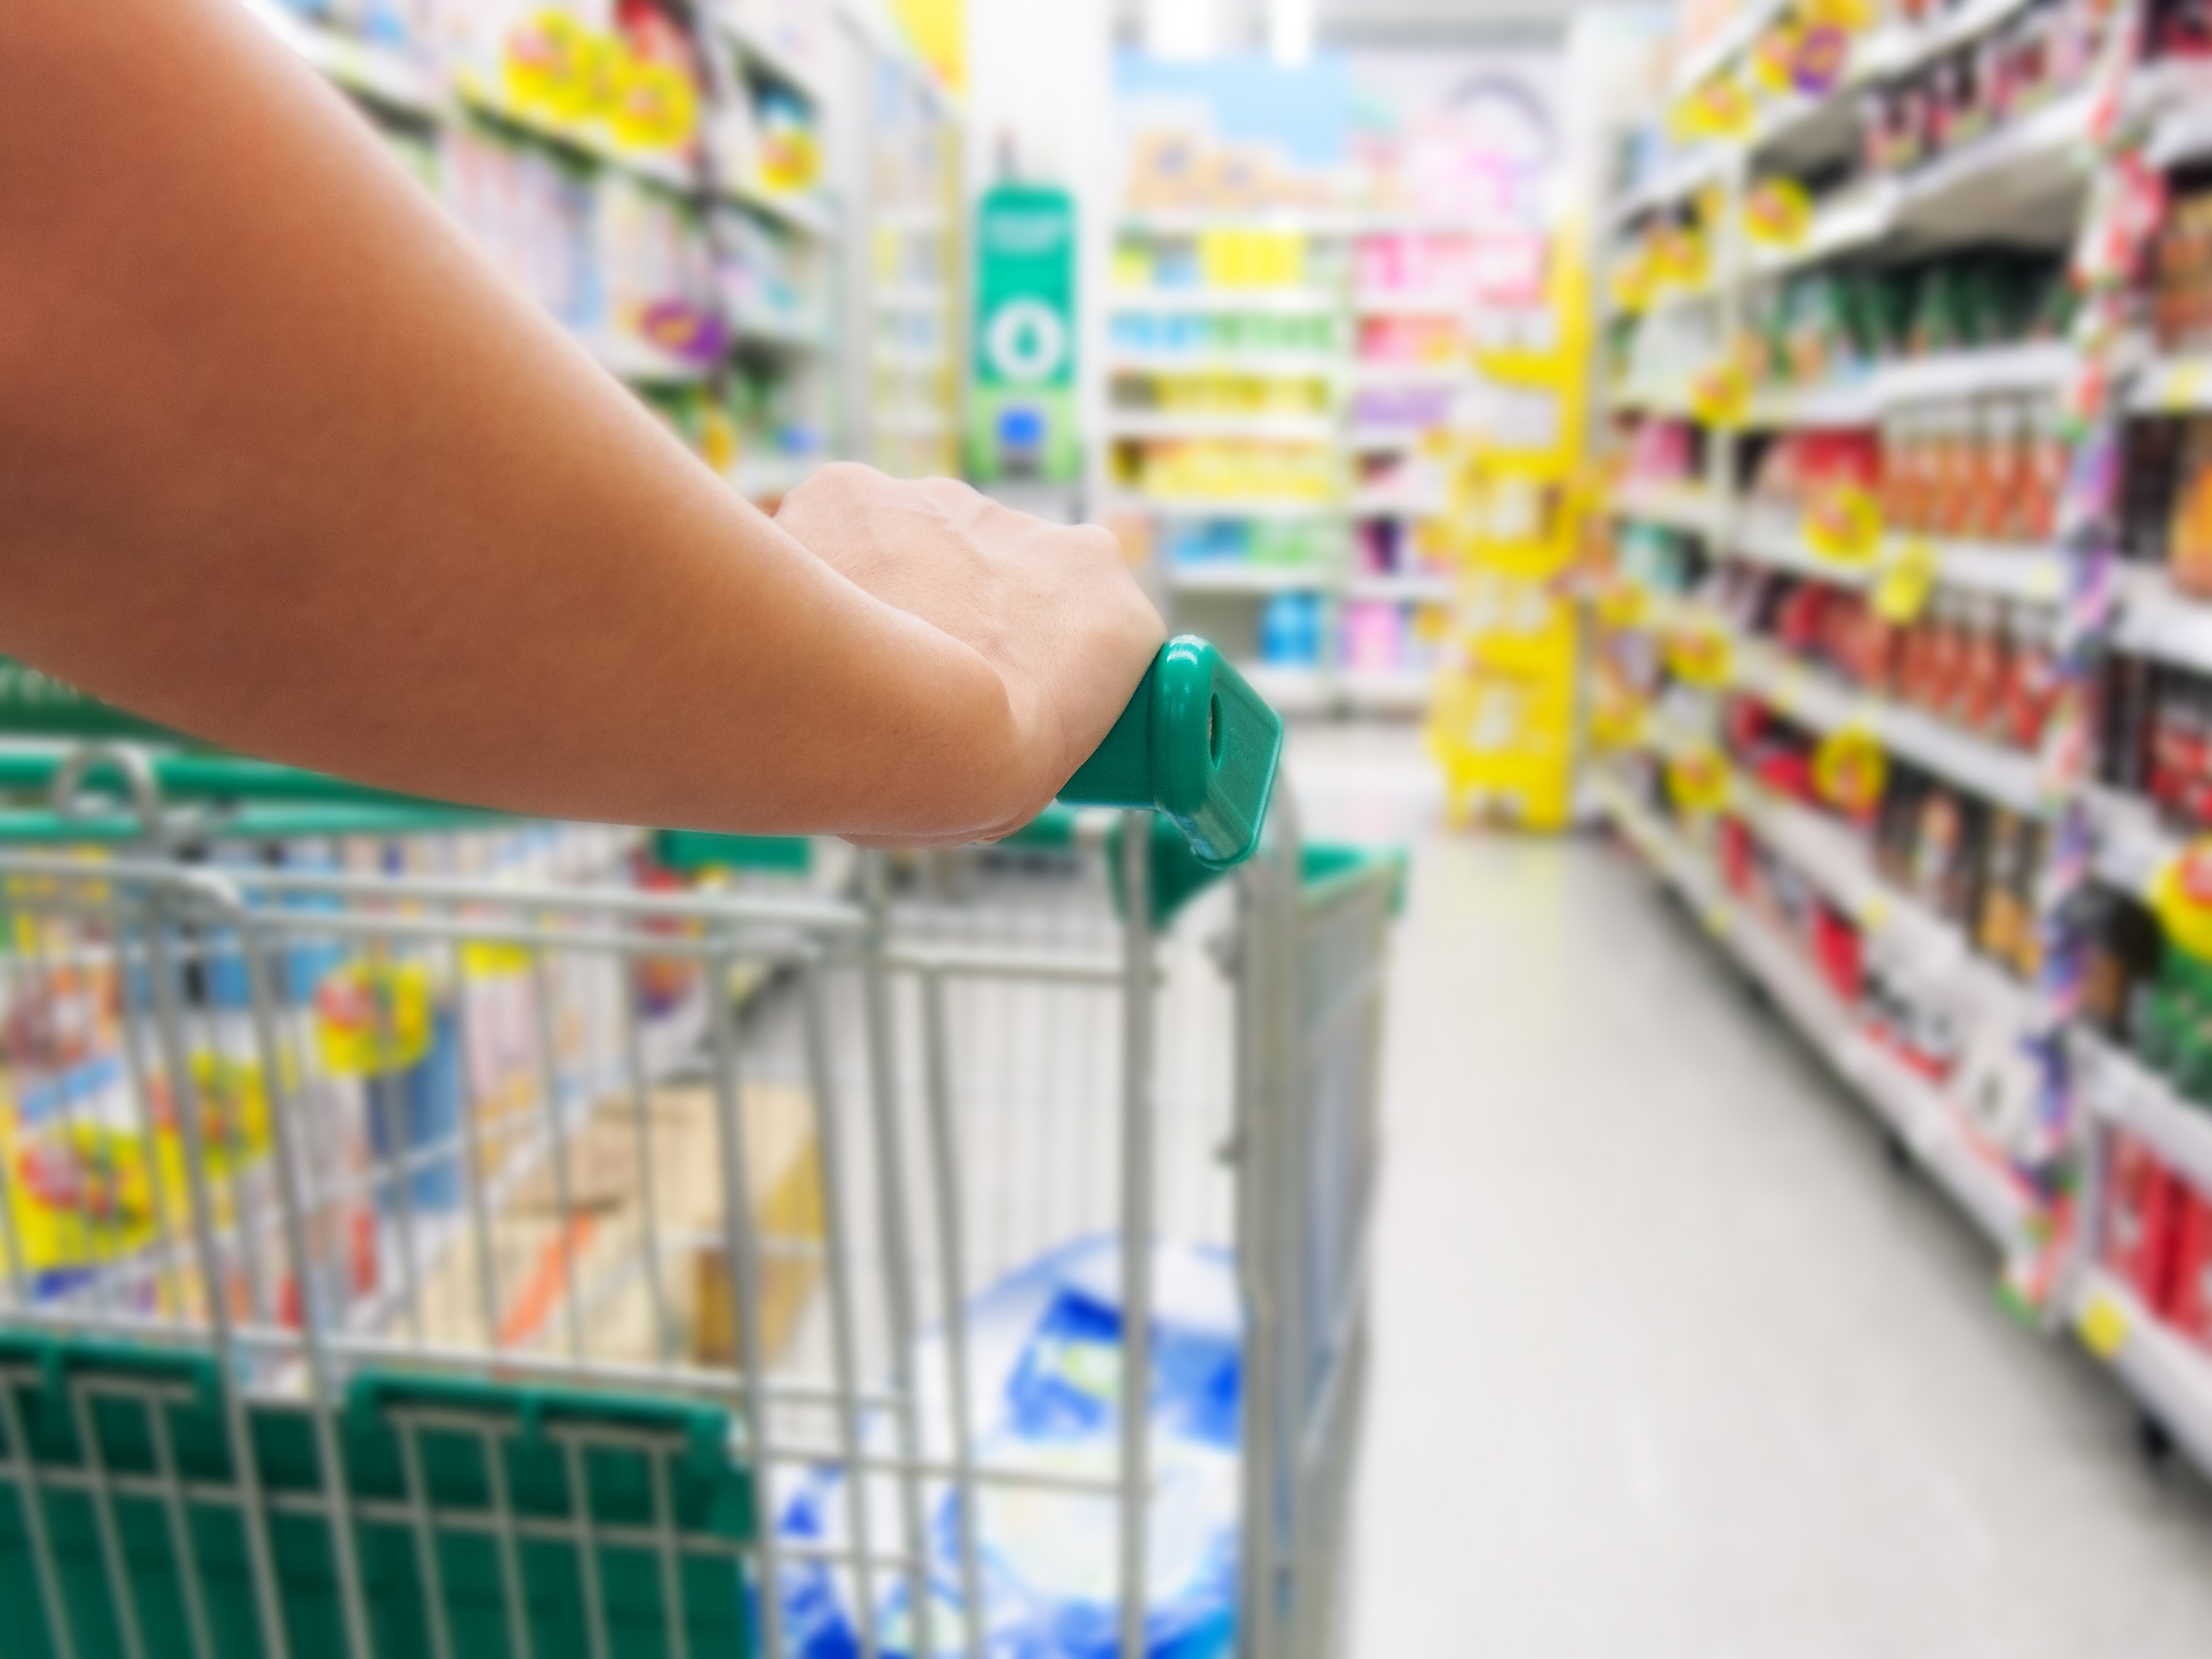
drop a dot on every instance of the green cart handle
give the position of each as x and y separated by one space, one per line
1196 742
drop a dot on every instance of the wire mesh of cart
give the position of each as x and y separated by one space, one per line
427 1234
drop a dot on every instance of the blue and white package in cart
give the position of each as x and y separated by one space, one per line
1044 1368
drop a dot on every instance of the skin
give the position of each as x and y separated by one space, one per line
285 463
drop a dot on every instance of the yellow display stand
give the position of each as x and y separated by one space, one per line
1504 725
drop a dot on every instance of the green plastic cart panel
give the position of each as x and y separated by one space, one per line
649 1470
690 850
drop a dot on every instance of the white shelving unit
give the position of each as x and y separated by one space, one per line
2027 182
1227 597
751 255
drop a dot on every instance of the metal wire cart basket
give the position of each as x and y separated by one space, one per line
427 1233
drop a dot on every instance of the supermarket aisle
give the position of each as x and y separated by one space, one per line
1668 1361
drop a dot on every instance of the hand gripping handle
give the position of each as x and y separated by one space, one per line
1197 744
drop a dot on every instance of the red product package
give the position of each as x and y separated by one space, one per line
2142 1206
2189 1299
1735 849
1836 948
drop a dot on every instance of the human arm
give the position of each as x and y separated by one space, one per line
284 463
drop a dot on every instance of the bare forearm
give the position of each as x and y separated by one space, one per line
283 464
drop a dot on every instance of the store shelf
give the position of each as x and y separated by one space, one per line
1397 504
2170 1377
2155 620
1215 302
2124 1092
795 210
913 359
1676 180
911 423
2131 844
1281 221
1254 365
2002 180
1686 508
1813 699
1434 589
1393 376
1290 690
1385 302
376 73
1855 402
765 54
912 218
1234 576
2175 385
1916 1110
1405 692
1274 508
1856 217
1386 439
763 477
2042 366
912 297
2034 575
1651 397
1743 28
1276 428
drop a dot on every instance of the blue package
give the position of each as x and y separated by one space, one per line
1044 1347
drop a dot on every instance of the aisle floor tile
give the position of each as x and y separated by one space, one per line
1669 1360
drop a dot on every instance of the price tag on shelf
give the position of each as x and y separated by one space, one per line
1701 653
1620 604
1876 913
1632 283
1617 722
555 67
2185 385
1907 581
1719 109
1720 394
1848 16
1850 769
1697 779
2104 1327
2181 898
1774 59
1777 214
1844 523
654 107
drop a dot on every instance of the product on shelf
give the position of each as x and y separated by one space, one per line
1818 327
1221 393
1226 333
1662 452
1289 546
1234 259
1290 630
2156 738
1799 470
2005 74
2166 505
1981 663
1199 469
1665 351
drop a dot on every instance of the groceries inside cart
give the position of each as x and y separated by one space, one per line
428 1232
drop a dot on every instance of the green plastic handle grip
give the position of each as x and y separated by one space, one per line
1197 744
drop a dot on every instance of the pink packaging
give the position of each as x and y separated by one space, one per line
1374 636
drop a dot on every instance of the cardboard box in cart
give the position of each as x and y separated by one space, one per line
598 1244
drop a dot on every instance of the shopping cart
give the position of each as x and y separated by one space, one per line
431 1234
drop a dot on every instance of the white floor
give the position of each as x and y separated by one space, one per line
1669 1360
